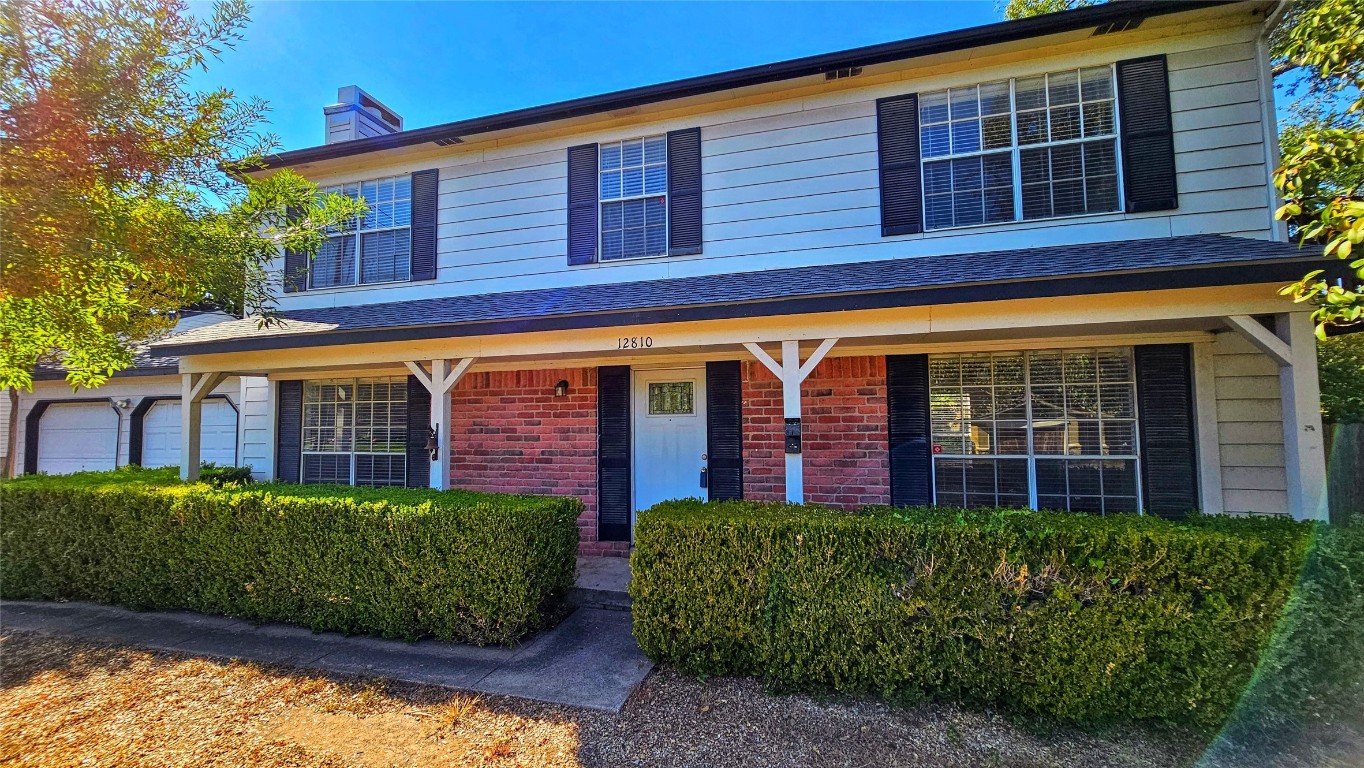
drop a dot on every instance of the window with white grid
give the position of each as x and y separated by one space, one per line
374 248
1027 148
633 186
355 431
1051 429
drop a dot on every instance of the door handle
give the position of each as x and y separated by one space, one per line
704 481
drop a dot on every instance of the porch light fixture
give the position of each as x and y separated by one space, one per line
561 389
433 444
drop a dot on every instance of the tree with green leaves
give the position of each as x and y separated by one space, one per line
118 194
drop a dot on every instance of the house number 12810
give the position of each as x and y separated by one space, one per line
634 342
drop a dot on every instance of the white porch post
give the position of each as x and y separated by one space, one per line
1294 347
791 372
194 387
439 381
1304 452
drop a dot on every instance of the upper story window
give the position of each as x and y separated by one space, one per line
374 248
1026 148
633 190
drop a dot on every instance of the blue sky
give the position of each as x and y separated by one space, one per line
434 62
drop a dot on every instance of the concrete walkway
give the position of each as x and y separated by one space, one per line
590 660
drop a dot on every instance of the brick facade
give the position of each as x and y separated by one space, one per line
510 434
847 456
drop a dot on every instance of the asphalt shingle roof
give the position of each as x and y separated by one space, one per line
945 271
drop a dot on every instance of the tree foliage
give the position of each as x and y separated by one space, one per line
118 202
1022 9
1340 361
1323 149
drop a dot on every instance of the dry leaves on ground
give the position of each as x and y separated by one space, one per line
70 703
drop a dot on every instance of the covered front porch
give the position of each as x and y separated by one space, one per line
832 407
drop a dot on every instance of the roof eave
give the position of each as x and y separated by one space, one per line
1193 276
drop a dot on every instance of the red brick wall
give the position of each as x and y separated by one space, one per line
509 433
847 460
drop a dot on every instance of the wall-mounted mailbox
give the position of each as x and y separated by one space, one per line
793 435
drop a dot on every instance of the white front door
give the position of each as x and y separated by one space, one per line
669 412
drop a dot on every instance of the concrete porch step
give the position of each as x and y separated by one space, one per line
602 583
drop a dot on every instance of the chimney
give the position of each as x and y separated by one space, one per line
357 115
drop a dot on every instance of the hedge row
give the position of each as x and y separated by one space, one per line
480 568
1065 616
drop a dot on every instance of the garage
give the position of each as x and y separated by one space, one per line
76 437
161 433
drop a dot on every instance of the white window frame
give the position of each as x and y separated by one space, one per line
352 427
1015 150
601 203
355 231
1032 456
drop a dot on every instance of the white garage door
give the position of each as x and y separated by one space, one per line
161 434
77 437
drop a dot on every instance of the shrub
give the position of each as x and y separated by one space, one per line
481 568
1312 674
1064 616
217 476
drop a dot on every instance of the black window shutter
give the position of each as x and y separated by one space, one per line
911 469
425 202
418 428
897 142
724 430
582 204
613 453
295 265
1169 455
1148 145
684 192
289 431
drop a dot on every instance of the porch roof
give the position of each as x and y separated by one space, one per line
1071 270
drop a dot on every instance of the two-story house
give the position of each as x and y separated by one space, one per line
1028 264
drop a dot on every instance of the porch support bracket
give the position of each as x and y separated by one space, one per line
1293 346
791 372
194 387
439 379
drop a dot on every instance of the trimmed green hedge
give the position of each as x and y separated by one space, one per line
1064 616
480 568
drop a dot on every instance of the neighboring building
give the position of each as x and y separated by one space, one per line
1033 263
132 419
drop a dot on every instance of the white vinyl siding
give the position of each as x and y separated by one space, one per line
794 183
1249 428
